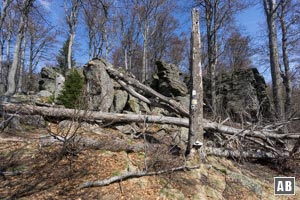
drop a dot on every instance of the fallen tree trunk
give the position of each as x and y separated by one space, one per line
116 117
91 115
229 153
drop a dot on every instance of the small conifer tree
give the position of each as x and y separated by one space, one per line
72 90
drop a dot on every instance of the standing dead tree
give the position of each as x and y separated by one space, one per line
196 94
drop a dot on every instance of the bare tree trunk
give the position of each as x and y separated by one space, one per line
145 49
72 19
287 74
211 53
21 66
126 59
1 70
5 4
13 69
72 37
270 7
196 93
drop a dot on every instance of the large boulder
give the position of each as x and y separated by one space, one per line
51 80
168 80
120 101
241 93
98 85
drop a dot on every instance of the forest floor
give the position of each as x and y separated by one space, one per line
30 171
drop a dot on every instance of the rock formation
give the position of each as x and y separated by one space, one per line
241 93
168 80
51 81
98 85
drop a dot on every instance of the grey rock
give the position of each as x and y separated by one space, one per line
168 80
51 80
180 137
185 101
241 93
44 93
127 129
59 84
120 100
134 104
98 85
32 120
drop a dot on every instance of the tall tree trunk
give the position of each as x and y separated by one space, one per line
72 19
287 74
126 59
4 6
196 92
13 69
211 53
21 66
277 86
145 54
72 37
26 7
1 70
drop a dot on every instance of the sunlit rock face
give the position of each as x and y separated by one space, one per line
241 92
99 86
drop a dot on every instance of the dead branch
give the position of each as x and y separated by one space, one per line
174 105
134 174
131 91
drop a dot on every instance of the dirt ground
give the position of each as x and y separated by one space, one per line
31 171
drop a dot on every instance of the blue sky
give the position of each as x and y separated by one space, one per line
250 20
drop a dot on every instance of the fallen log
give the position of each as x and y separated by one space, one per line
229 153
90 115
117 117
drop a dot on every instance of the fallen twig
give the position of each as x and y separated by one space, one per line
134 174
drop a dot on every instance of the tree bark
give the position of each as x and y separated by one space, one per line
72 18
270 8
1 70
285 56
26 7
72 37
145 53
21 66
196 93
116 117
